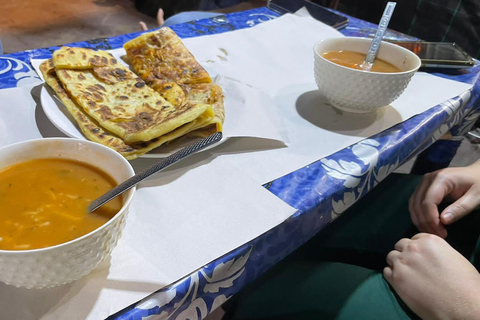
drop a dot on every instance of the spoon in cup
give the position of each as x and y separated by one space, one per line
377 39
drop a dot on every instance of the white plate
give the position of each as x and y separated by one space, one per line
58 114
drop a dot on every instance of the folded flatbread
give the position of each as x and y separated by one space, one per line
161 56
94 132
161 59
114 106
117 98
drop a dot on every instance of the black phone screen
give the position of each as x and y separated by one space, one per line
439 53
325 15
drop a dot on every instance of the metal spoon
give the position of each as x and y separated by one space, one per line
177 156
377 39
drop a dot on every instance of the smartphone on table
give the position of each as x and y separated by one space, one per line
445 55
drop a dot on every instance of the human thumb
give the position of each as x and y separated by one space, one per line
460 208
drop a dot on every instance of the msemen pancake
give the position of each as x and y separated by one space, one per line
89 127
161 56
117 99
166 65
211 94
82 58
94 132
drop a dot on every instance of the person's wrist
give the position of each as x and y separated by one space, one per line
470 310
476 164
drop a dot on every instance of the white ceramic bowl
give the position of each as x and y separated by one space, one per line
361 91
66 262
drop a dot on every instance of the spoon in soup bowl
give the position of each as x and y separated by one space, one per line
133 181
377 39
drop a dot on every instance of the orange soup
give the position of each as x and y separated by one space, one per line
44 202
355 60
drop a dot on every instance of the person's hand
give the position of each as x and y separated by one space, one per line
433 279
143 26
160 20
461 184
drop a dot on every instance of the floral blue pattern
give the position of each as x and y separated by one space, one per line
320 191
16 72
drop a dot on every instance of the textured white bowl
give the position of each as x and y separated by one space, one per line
66 262
361 91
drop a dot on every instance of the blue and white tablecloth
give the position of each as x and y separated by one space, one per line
343 177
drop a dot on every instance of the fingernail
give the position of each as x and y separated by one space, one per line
448 217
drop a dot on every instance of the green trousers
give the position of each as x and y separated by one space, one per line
338 273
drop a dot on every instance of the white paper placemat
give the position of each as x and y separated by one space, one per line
277 57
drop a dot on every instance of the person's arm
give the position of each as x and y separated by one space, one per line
462 185
433 279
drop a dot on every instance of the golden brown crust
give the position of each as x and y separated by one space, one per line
94 132
212 94
170 91
88 126
82 58
161 59
161 55
122 103
115 107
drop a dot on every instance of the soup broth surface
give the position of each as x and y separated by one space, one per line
44 202
352 59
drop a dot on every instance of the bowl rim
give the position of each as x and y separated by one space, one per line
369 40
124 207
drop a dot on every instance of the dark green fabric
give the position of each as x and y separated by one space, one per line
337 274
329 290
369 229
